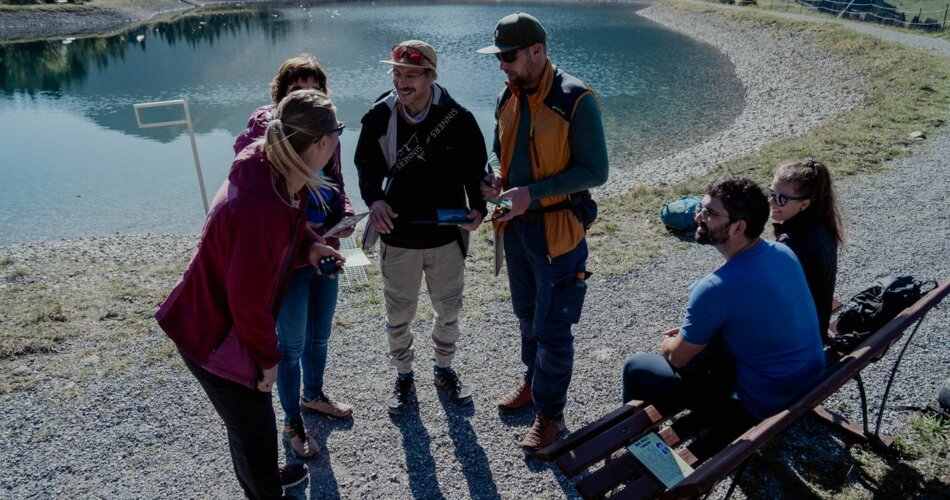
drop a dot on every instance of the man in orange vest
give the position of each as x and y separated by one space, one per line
549 150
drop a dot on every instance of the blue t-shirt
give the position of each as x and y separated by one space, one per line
759 304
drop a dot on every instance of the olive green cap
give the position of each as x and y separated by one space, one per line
515 31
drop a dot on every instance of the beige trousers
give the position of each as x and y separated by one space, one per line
403 269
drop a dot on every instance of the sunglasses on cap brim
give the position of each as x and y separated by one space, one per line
409 55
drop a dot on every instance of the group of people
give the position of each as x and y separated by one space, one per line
255 305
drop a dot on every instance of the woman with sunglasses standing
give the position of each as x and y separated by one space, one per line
807 218
222 313
306 320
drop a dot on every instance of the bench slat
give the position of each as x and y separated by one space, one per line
615 472
602 445
584 434
647 486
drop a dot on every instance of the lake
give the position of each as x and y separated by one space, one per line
75 164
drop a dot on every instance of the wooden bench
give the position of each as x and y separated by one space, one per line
623 476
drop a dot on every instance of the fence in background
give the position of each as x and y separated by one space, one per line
872 11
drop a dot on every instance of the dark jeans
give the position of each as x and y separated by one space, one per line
252 432
704 386
547 298
303 331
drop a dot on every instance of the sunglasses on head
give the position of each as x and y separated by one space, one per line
782 199
410 55
509 56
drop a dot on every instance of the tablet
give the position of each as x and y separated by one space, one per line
344 224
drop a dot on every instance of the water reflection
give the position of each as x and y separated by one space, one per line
659 91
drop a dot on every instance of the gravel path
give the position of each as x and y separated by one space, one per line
148 431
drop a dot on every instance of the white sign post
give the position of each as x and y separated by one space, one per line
191 133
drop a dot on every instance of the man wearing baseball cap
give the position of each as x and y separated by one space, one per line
419 153
549 150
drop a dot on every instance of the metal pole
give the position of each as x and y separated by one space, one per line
194 150
945 16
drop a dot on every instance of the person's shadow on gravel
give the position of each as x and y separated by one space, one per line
468 452
322 479
537 466
420 465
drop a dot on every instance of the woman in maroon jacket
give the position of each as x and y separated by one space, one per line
222 313
306 319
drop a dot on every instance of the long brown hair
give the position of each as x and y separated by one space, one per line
302 118
813 180
301 67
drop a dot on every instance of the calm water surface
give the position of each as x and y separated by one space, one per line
75 164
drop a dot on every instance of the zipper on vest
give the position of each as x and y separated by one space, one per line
534 149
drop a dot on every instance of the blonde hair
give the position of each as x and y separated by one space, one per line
302 118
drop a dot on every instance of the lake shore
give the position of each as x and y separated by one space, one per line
92 20
100 405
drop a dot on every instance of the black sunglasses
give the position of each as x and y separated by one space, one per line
781 199
509 56
338 131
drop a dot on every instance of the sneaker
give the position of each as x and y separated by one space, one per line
293 474
517 399
542 433
323 405
303 445
403 390
448 381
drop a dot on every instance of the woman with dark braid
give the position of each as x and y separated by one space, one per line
807 218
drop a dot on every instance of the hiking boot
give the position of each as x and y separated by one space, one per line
304 446
517 399
323 405
448 381
293 474
542 433
403 391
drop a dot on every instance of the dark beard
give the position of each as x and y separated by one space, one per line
711 238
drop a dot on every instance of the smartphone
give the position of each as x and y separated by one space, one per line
502 207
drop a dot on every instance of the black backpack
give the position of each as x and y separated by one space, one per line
872 308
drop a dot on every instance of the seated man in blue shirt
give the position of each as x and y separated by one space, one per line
749 343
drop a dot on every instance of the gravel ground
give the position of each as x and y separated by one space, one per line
148 431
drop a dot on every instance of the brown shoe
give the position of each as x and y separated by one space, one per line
303 445
517 399
327 407
542 433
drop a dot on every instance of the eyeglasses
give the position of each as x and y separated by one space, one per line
782 199
411 55
509 56
338 131
705 214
